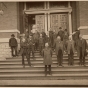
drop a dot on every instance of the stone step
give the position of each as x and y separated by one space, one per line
42 67
42 75
39 56
38 60
41 70
36 63
47 78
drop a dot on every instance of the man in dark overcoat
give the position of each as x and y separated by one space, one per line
47 56
44 35
51 38
76 37
61 33
65 39
81 49
59 49
41 43
70 51
36 39
24 50
13 44
54 36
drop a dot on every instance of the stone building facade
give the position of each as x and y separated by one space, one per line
45 16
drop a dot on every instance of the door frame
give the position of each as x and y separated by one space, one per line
47 13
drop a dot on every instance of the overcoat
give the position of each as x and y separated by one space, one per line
58 45
61 34
84 47
47 56
69 43
13 42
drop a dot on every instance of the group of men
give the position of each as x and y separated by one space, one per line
60 42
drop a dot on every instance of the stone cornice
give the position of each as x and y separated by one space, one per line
83 27
13 30
48 11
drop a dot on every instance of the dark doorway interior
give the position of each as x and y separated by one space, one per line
31 21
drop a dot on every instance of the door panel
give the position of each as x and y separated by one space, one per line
58 20
40 22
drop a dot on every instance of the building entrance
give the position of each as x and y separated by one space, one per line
48 16
47 22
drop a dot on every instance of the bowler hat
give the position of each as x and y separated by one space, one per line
60 28
13 35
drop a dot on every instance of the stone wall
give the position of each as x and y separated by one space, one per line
82 18
5 51
9 24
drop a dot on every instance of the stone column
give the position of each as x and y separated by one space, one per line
69 6
70 22
24 5
46 23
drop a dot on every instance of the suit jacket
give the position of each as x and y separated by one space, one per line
58 45
23 47
69 43
83 45
41 41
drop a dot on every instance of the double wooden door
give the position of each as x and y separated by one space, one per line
56 21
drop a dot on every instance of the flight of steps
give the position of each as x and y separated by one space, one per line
12 69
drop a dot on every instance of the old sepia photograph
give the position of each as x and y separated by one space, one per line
43 43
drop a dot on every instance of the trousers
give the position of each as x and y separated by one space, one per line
28 59
14 48
81 57
46 69
71 58
60 57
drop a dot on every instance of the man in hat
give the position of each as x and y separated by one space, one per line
41 43
47 56
58 45
24 50
61 33
81 49
65 39
70 51
36 39
13 44
76 37
30 45
51 38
